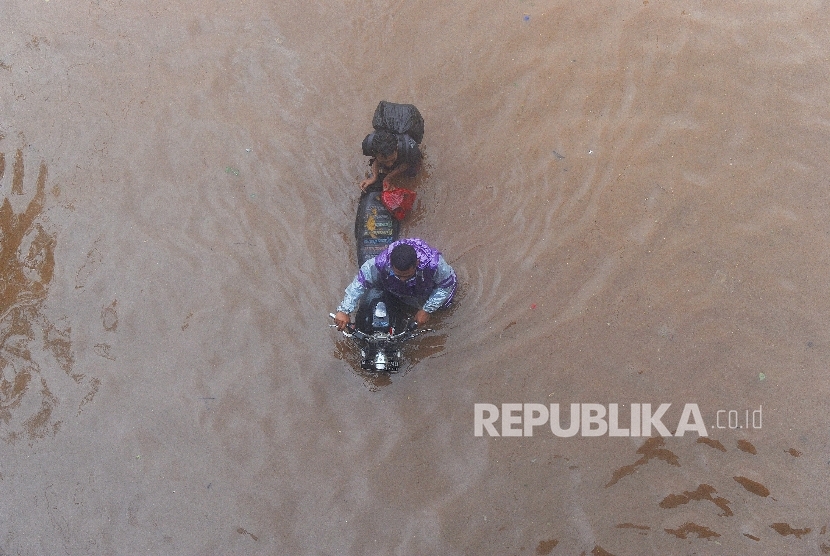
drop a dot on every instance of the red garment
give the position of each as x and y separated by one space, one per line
398 201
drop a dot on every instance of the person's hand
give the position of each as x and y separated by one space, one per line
421 317
388 185
366 183
341 320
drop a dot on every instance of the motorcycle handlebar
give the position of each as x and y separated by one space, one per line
351 329
410 329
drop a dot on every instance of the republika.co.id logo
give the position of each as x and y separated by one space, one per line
593 419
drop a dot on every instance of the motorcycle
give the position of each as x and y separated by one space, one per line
381 343
382 325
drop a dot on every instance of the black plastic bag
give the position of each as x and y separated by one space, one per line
406 147
399 119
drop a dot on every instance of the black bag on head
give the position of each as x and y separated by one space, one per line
399 119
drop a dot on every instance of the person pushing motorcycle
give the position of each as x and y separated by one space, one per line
410 270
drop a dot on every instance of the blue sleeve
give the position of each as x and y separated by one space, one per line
445 284
365 279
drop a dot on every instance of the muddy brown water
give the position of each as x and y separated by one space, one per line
634 196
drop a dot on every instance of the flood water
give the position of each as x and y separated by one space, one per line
635 199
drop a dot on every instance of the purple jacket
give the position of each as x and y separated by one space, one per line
432 287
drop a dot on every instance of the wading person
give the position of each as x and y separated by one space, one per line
411 272
392 155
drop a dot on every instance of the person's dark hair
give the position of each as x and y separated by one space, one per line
384 143
403 257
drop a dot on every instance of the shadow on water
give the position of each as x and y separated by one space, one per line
32 347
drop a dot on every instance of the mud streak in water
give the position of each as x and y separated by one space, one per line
31 346
687 529
753 486
785 529
654 448
703 492
651 449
